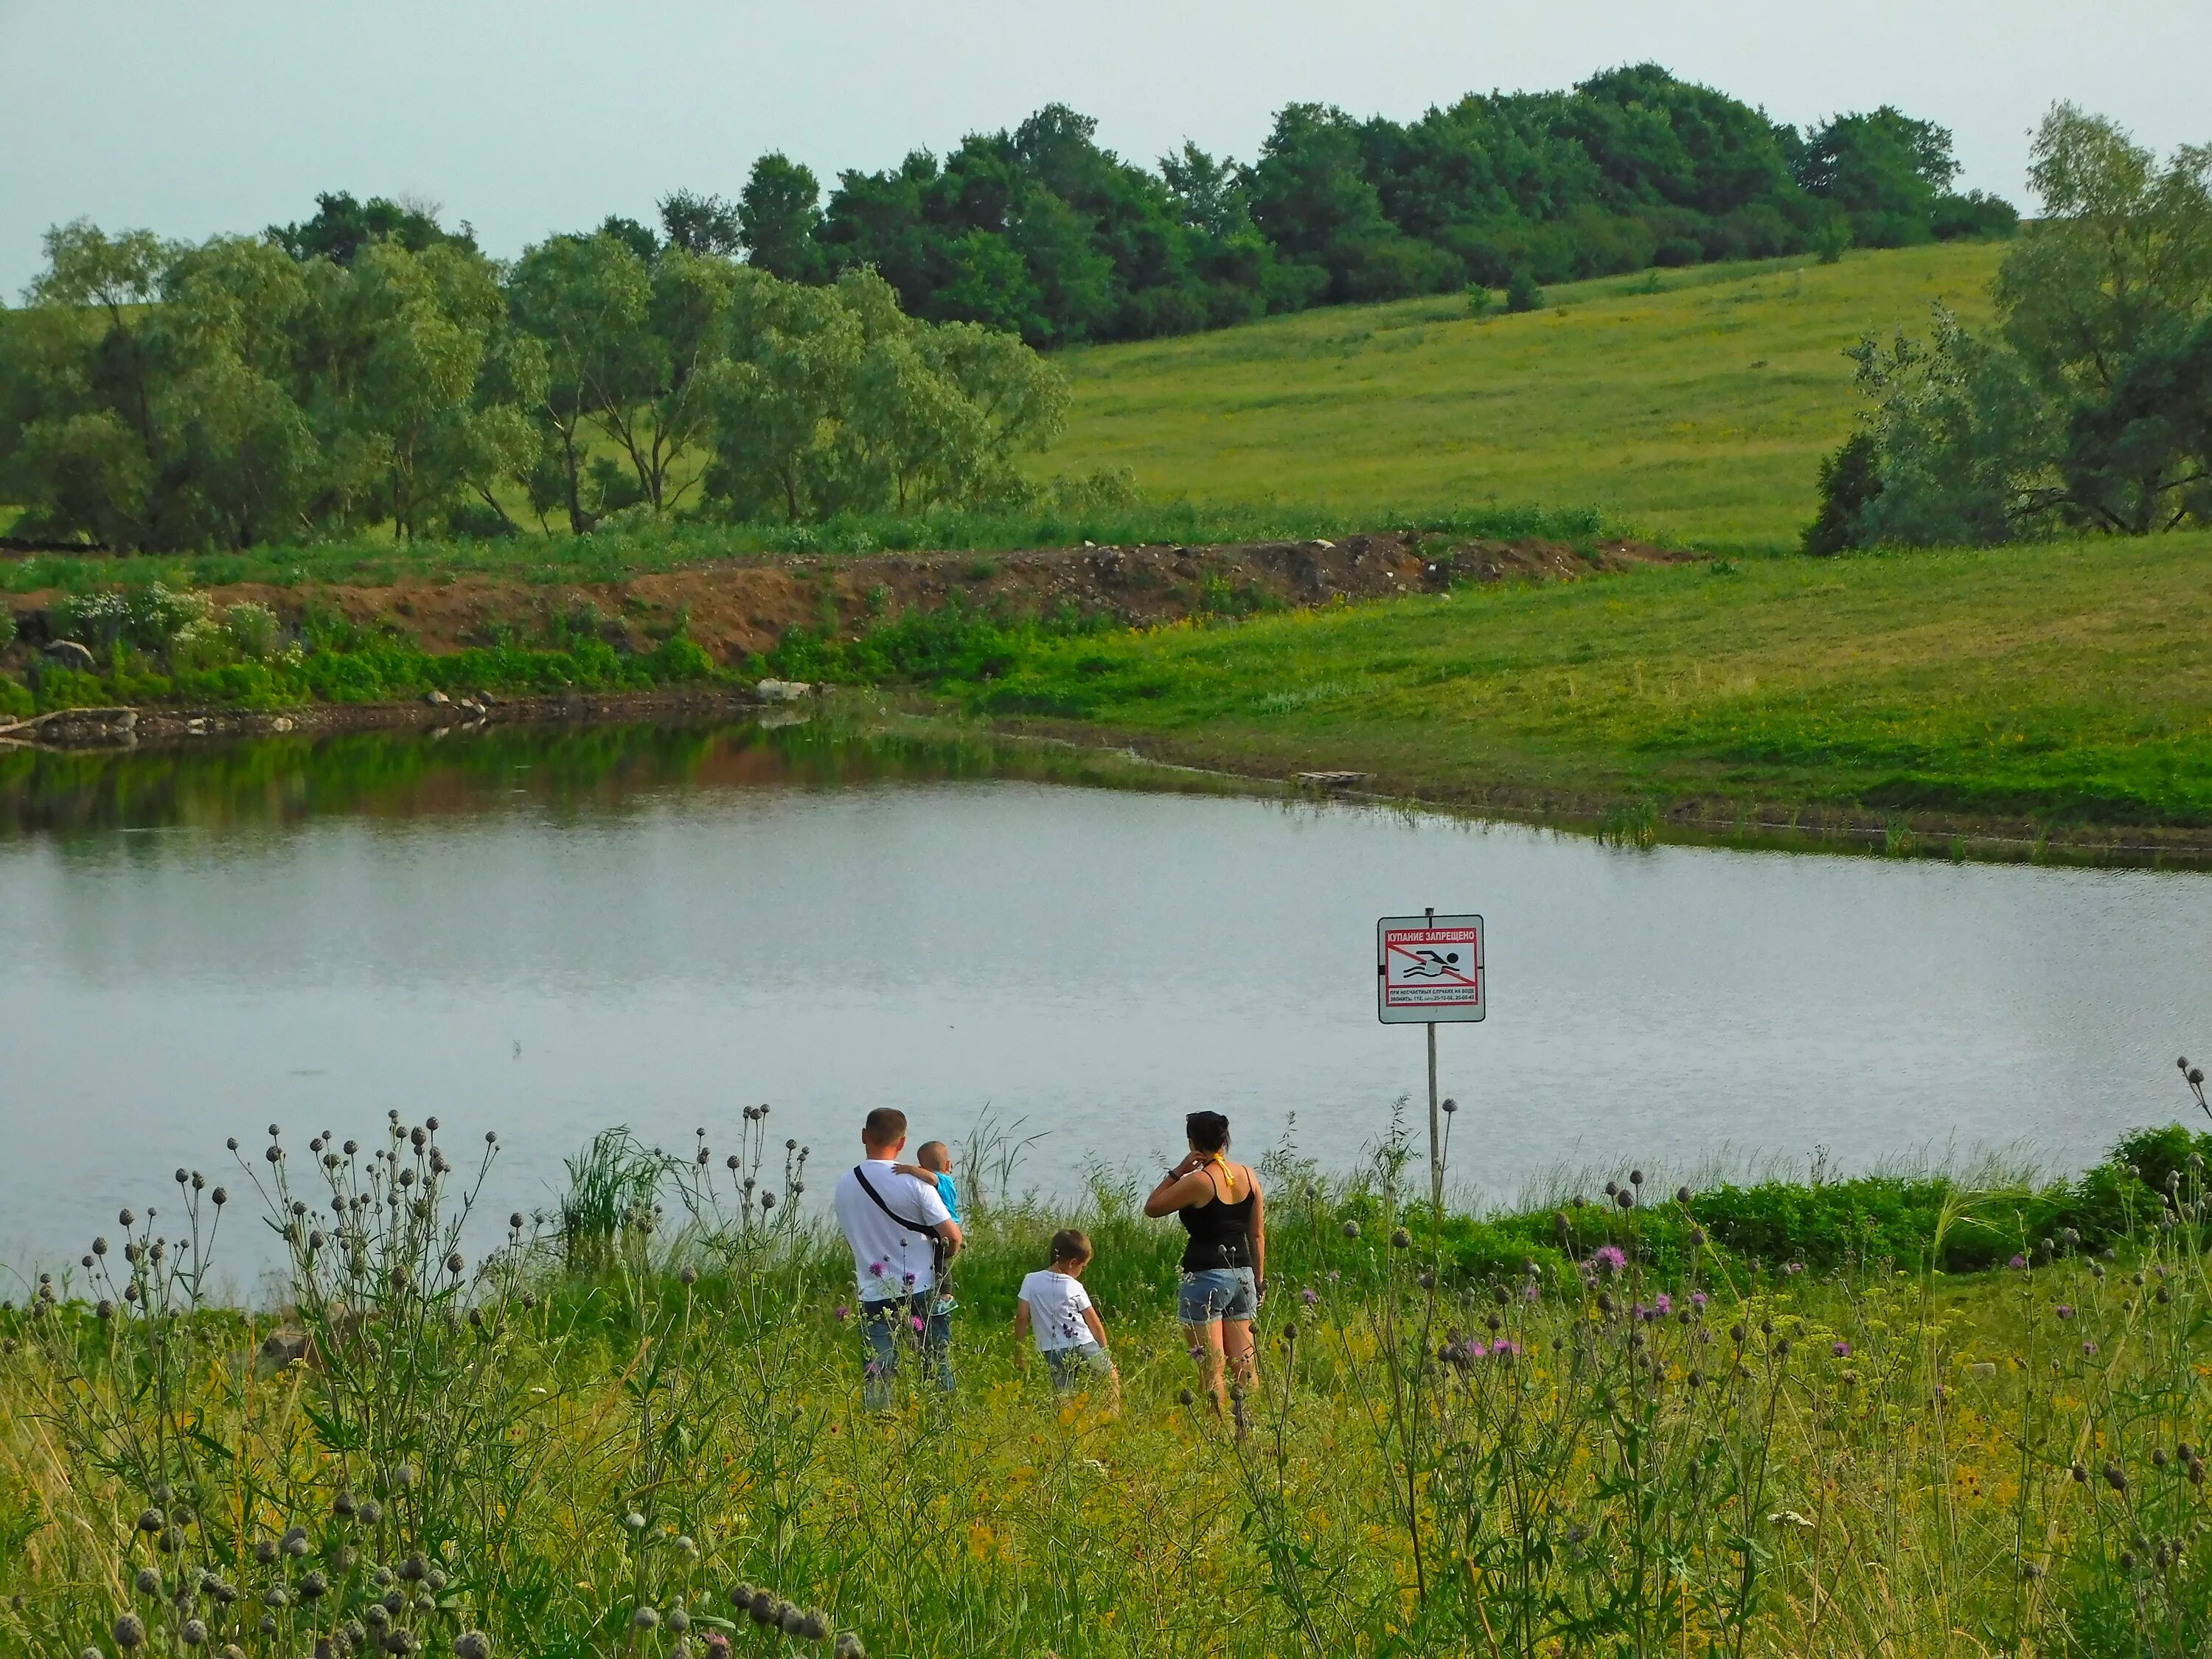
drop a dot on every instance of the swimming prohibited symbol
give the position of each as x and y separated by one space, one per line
1428 968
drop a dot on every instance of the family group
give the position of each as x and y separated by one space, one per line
902 1222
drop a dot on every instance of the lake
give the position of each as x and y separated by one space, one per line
544 933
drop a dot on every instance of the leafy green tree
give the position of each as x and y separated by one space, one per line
342 226
637 238
659 409
833 399
701 224
585 299
2092 404
779 214
1885 171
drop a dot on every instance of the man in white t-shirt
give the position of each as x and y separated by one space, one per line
899 1230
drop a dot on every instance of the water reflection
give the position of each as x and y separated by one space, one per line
544 933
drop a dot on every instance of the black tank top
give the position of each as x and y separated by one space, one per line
1220 1232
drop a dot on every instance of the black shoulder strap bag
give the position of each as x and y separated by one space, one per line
936 1243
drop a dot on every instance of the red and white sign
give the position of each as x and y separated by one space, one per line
1428 969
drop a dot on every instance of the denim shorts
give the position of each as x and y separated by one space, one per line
1217 1293
1071 1368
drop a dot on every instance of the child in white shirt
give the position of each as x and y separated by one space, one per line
1057 1311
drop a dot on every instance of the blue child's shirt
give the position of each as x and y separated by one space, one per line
950 1194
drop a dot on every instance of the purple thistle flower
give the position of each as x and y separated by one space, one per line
907 1278
2017 1262
1607 1259
1698 1299
1842 1351
1310 1296
1665 1305
2064 1311
1529 1294
2088 1348
1793 1267
876 1268
1504 1348
1197 1352
914 1320
844 1313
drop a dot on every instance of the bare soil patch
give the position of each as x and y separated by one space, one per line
738 607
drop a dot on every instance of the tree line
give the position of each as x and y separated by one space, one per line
367 370
1043 232
2089 404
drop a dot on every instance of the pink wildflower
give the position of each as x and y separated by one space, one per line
1608 1260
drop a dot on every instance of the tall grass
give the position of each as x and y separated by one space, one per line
1652 1432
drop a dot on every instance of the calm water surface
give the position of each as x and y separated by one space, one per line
544 934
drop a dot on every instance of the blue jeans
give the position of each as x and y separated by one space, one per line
1217 1293
1074 1368
888 1325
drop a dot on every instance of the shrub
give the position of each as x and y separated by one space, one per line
1849 479
16 698
252 630
1521 293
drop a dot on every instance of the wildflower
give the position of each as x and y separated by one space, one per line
844 1313
1426 1280
914 1320
875 1269
1197 1352
1530 1293
148 1581
1842 1351
1310 1296
907 1279
1793 1267
687 1277
2088 1350
2064 1311
1504 1348
2017 1263
1698 1300
678 1620
1608 1260
1401 1239
1184 1397
634 1521
1334 1275
2115 1478
1664 1306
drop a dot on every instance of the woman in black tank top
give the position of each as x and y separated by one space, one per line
1225 1264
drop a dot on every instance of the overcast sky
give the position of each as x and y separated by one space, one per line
225 115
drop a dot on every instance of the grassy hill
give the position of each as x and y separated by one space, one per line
1693 403
2066 684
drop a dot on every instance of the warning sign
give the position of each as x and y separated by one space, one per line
1428 968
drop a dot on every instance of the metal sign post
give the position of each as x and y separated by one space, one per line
1429 970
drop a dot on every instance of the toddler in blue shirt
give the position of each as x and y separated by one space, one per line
934 1164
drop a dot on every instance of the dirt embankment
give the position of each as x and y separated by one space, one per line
738 607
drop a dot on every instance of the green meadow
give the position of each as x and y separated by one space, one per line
1693 405
2066 682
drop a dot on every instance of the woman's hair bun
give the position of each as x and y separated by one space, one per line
1208 1130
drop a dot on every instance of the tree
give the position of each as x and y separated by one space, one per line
778 214
2091 405
1885 171
833 399
701 224
583 299
341 226
657 410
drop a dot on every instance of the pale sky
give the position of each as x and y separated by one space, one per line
524 119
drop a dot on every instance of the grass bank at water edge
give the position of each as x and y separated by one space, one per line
2066 683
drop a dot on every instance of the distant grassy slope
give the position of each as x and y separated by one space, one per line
2069 682
1699 411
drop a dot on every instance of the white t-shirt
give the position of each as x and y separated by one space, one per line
884 1253
1057 1304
